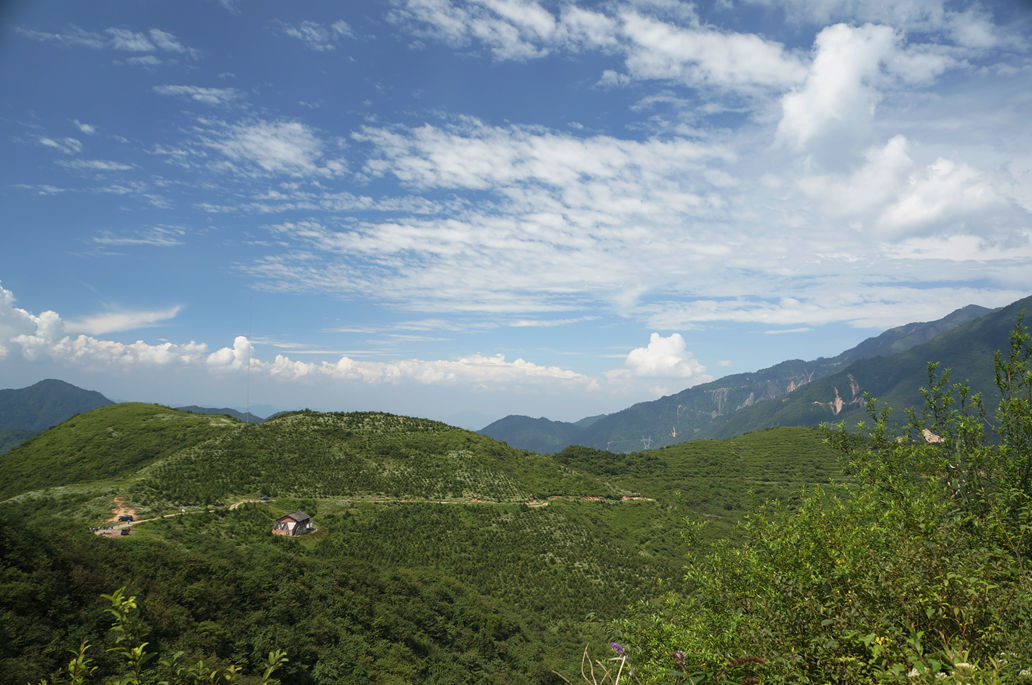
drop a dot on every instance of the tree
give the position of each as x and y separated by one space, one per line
136 657
916 572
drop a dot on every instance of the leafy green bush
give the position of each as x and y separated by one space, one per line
918 573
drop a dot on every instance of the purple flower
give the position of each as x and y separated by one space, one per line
617 647
678 656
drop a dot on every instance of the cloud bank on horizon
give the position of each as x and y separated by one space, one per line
503 199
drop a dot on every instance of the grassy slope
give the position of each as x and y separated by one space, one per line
307 454
437 592
115 440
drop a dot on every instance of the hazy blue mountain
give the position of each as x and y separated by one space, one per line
539 435
25 412
247 417
967 350
704 410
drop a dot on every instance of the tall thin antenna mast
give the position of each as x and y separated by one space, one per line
250 324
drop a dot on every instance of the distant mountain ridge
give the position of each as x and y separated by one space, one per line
712 409
25 412
245 417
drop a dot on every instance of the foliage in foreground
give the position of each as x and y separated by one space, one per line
919 574
137 662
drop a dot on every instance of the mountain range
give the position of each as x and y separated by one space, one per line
440 555
891 366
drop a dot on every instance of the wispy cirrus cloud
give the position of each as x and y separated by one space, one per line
95 165
122 320
209 96
67 145
157 236
317 36
115 38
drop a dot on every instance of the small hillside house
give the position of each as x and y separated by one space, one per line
292 525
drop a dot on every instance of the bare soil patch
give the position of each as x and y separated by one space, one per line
120 510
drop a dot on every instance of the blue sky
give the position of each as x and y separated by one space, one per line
463 210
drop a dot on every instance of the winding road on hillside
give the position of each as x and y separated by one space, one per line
113 527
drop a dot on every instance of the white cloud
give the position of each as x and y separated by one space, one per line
124 320
210 96
893 195
478 156
873 307
47 340
512 30
68 146
47 336
157 236
240 356
144 61
168 42
132 41
652 48
920 15
280 147
938 192
838 94
116 38
96 165
659 50
664 358
315 35
963 248
85 128
73 37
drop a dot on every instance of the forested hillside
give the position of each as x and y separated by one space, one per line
917 573
441 555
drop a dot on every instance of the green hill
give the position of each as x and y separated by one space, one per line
441 555
114 440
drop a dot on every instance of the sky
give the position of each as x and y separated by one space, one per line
467 209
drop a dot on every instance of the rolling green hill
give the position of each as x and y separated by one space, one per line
24 412
111 441
441 555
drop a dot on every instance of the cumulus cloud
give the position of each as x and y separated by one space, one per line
941 190
664 358
893 195
47 337
838 93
